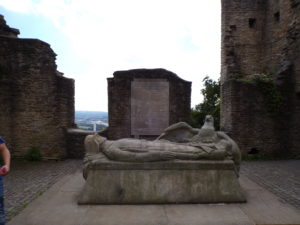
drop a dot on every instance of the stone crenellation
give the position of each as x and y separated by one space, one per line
261 45
37 102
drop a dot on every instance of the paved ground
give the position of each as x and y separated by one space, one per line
28 180
281 177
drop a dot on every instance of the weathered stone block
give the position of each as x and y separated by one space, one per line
111 182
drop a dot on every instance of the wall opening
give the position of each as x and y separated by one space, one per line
277 17
253 151
252 22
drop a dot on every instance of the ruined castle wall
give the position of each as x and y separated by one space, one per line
295 100
5 112
261 38
282 55
39 101
248 121
180 100
119 107
281 17
241 38
65 101
119 99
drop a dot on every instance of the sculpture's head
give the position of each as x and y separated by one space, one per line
93 143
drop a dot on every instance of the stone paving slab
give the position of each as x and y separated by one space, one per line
58 205
28 180
281 177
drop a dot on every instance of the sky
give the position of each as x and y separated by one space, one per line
95 38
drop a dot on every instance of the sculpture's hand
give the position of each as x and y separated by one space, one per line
166 155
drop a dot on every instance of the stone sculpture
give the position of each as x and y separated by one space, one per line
179 141
183 165
210 141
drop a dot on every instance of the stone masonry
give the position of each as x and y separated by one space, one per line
37 101
119 99
261 41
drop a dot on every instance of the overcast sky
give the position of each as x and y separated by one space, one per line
94 38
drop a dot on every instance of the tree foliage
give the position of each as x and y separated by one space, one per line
210 104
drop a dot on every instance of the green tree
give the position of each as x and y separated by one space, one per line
210 104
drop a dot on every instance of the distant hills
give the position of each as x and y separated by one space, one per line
87 120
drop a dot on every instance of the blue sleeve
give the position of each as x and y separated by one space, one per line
1 140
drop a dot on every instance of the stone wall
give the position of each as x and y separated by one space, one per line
119 99
261 39
37 102
75 143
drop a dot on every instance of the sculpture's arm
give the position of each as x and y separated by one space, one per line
115 153
181 125
178 132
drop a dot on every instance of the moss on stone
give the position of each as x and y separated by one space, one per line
271 93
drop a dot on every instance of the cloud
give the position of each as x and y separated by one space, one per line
21 6
108 35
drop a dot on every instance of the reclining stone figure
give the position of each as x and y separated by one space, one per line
183 165
179 141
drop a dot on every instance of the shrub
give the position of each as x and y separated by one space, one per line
209 106
33 154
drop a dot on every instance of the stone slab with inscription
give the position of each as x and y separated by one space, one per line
149 106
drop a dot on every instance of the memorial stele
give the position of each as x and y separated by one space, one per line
143 102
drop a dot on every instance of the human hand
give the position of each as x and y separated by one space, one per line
4 170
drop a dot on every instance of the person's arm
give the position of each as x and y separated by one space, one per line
6 159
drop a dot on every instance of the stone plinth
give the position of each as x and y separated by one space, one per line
111 182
